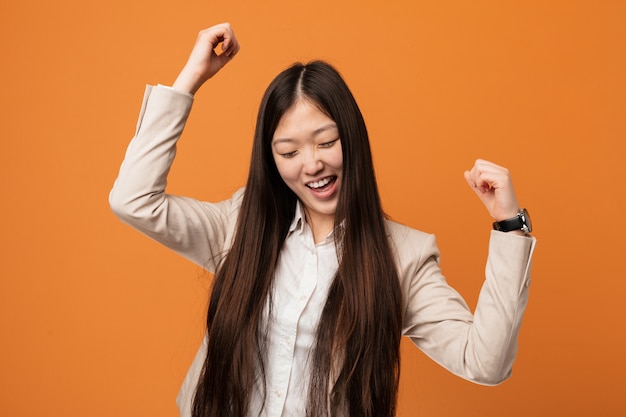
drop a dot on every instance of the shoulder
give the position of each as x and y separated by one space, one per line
227 211
410 247
233 203
401 235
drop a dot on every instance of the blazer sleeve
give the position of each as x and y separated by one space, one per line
482 346
196 230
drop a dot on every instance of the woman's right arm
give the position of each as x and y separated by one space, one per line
197 230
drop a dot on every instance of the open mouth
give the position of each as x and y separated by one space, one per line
322 184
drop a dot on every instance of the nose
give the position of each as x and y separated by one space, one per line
312 163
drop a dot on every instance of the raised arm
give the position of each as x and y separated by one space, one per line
481 346
198 230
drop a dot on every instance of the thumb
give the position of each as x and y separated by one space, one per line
468 178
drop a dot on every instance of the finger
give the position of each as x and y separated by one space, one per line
230 45
230 52
215 35
476 179
468 178
235 49
209 37
488 175
473 180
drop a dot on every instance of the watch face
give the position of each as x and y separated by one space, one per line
526 225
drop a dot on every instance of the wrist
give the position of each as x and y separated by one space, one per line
519 223
188 82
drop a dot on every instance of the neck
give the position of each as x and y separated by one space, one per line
321 225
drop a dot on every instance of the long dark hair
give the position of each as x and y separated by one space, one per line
356 361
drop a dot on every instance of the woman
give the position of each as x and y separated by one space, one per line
313 286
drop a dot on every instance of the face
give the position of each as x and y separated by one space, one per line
307 152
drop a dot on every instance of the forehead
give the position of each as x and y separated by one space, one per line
303 119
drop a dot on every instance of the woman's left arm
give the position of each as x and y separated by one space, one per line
481 346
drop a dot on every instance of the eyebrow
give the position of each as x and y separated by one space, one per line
315 133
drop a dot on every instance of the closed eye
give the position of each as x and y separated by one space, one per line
289 154
328 144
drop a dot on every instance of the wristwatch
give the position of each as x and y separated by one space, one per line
520 222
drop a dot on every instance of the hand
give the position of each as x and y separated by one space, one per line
493 185
203 62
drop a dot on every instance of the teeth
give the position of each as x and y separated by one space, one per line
319 184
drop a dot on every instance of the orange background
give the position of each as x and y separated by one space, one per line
97 320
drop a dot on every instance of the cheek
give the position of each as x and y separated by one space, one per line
336 160
288 171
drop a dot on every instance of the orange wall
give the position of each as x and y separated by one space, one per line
96 320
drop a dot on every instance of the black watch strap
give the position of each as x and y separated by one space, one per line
520 222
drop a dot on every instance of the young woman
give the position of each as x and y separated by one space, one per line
313 286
